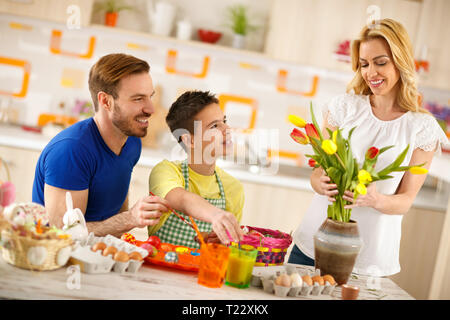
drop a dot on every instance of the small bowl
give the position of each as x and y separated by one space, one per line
209 35
349 292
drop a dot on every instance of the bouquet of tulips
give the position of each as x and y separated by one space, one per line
335 157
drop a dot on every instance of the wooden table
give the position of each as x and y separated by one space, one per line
154 282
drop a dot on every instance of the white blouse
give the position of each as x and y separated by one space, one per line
381 233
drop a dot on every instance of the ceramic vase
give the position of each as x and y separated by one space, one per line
111 18
238 41
336 247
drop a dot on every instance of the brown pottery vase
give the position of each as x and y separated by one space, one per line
336 246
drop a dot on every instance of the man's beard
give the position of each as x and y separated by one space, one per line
126 125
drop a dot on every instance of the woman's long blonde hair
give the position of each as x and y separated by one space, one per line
398 40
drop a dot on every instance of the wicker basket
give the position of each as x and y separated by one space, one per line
18 250
271 249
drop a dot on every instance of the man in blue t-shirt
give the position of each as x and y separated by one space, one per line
94 158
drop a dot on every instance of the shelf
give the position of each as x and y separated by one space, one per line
175 41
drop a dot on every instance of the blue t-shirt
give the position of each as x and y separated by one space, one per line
77 159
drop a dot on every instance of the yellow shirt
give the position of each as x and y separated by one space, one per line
167 175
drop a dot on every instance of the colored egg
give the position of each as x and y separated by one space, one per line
171 257
128 237
181 250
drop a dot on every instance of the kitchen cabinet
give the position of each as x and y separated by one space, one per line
421 238
274 207
308 31
22 164
432 39
69 12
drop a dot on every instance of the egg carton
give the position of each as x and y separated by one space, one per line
267 282
95 262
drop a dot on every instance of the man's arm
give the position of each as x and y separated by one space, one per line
144 213
55 203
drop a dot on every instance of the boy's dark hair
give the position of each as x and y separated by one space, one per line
182 112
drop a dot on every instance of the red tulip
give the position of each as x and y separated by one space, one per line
299 136
312 163
311 131
371 153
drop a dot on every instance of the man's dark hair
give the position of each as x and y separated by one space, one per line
106 74
182 112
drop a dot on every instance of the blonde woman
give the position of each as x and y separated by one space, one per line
382 101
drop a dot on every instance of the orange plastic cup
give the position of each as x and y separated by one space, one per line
213 265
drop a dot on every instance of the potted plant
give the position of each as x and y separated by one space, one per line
112 9
239 23
337 242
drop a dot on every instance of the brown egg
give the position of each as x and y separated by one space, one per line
330 279
319 280
283 280
135 256
121 256
98 246
109 250
307 279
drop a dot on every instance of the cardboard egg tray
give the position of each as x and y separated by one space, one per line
267 282
95 262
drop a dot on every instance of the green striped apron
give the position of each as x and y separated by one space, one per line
177 232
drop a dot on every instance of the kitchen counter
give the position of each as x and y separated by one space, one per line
15 136
154 282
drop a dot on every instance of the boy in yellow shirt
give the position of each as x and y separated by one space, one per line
196 186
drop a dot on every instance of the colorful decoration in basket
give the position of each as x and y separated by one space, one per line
335 157
272 245
29 242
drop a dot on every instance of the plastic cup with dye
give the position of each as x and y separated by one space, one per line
240 266
213 265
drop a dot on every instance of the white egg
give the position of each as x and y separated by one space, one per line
296 280
36 255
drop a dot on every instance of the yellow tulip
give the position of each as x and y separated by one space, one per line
335 136
361 189
418 170
364 176
329 146
297 121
